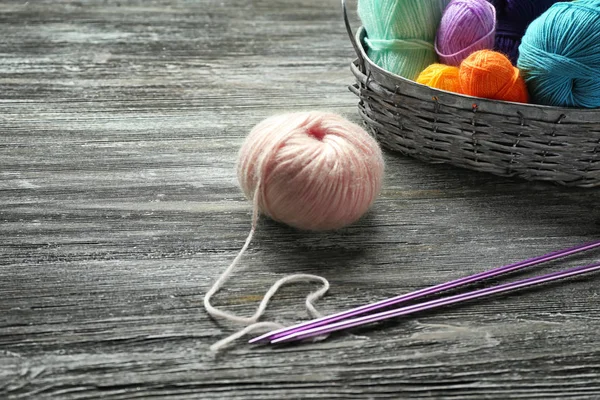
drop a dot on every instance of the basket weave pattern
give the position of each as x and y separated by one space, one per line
507 139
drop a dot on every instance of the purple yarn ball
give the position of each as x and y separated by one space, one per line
514 16
466 27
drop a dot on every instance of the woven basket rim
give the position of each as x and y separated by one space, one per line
361 34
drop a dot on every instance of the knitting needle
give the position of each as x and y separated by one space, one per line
345 324
423 292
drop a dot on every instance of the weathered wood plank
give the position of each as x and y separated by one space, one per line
120 123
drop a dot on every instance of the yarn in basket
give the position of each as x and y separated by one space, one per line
491 75
560 55
466 26
440 76
513 18
401 33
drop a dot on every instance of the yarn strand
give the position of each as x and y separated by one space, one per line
251 322
310 170
259 326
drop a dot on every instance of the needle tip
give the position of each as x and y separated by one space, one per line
260 339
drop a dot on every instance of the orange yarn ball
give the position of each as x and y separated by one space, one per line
491 75
440 76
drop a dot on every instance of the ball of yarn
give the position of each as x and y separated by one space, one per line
440 76
311 170
560 55
513 18
491 75
466 26
401 33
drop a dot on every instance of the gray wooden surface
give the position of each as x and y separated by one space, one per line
119 206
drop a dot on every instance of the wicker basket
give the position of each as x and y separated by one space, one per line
529 141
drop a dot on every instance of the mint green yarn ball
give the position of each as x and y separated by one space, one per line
401 33
560 55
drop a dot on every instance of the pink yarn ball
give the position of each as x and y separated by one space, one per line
314 170
466 27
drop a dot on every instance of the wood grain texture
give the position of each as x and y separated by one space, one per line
119 128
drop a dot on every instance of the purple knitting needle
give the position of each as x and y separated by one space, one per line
422 292
350 323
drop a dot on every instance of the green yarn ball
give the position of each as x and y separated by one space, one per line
401 33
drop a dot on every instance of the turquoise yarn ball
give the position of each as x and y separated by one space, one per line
401 33
560 55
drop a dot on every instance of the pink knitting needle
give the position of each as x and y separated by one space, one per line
350 323
423 292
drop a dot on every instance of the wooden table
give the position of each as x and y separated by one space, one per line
120 123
